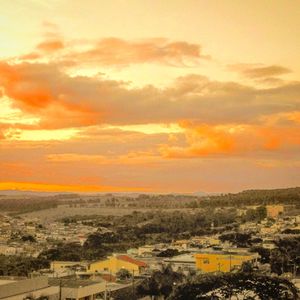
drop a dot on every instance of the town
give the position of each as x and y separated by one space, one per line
149 150
145 253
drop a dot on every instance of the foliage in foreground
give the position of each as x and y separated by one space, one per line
240 285
20 266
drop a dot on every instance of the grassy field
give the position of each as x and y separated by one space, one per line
49 215
52 214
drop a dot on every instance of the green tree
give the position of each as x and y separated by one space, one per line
169 253
161 283
236 238
123 274
240 285
28 238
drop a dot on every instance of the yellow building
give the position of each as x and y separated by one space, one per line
115 263
221 261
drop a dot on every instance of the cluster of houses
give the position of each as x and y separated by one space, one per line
45 288
29 237
97 280
94 279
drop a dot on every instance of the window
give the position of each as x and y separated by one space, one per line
206 261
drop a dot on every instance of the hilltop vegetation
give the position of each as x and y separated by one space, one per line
288 196
30 203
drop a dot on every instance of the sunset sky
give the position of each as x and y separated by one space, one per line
149 95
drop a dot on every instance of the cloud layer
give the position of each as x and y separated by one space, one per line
118 135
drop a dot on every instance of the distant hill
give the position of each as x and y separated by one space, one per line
32 193
24 193
256 197
27 201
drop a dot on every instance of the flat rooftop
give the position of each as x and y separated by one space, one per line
9 279
223 252
3 282
188 258
71 283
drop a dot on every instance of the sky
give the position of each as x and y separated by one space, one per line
149 96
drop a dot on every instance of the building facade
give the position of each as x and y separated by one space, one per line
221 261
115 263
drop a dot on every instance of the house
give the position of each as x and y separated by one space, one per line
268 244
223 261
115 263
8 250
273 211
34 288
180 244
184 262
149 250
206 241
67 267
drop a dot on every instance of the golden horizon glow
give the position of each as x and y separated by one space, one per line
40 135
46 187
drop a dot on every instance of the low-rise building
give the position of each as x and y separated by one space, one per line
34 288
184 262
223 261
78 289
147 250
181 244
206 241
273 211
10 250
115 263
67 267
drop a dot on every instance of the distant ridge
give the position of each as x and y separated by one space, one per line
31 193
135 194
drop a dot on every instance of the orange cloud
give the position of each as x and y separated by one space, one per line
35 89
50 46
115 51
30 56
233 140
60 101
119 52
22 87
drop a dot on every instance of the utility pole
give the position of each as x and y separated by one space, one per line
133 293
60 289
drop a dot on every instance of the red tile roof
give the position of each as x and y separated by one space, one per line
132 260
